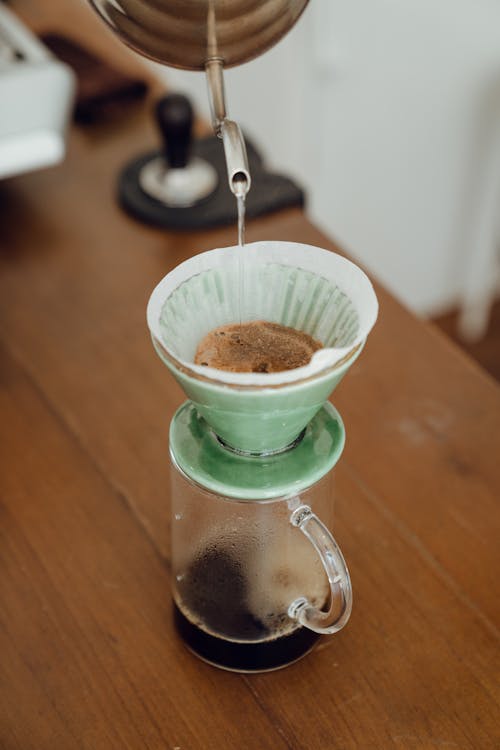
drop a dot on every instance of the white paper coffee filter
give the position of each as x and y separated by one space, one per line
301 286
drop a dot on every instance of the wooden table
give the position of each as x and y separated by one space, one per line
88 656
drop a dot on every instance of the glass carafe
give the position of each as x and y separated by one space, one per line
257 575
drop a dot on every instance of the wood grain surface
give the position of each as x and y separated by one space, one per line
88 656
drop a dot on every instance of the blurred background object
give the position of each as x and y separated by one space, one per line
389 114
102 90
36 93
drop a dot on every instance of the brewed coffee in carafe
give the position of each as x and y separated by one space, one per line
236 569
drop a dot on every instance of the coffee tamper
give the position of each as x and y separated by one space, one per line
176 177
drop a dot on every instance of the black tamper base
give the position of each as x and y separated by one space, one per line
268 193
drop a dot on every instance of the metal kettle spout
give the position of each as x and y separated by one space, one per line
238 172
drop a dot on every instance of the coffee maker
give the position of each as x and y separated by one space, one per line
257 576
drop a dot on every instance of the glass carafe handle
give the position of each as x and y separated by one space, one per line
336 570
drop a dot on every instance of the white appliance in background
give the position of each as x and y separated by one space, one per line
388 113
36 96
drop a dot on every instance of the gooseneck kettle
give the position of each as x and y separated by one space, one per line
205 35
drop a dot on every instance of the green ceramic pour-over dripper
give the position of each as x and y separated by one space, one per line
297 285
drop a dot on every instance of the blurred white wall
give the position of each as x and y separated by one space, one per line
388 112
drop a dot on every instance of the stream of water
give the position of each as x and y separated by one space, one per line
240 199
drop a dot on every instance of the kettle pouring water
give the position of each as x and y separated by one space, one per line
205 35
